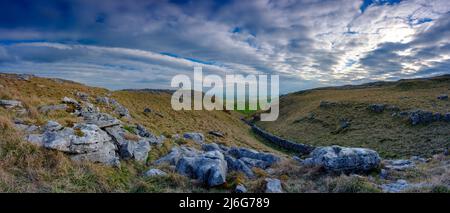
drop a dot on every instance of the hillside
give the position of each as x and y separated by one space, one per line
375 115
23 167
62 136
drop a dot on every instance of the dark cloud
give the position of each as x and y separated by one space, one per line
310 43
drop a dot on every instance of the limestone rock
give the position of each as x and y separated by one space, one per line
344 159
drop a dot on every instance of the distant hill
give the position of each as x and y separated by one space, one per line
349 121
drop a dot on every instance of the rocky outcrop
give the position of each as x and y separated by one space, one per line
82 142
235 159
290 145
343 159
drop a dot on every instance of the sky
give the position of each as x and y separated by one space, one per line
143 44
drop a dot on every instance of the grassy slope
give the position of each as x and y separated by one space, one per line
24 167
390 136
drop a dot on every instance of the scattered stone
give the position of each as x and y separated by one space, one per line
25 77
418 159
52 126
327 104
195 136
147 110
238 165
102 100
393 108
384 174
251 162
154 173
51 108
67 100
128 149
148 136
210 147
297 158
398 165
27 128
420 117
102 120
273 185
8 104
443 97
239 153
159 114
240 189
344 159
216 133
83 96
106 154
398 186
378 108
446 117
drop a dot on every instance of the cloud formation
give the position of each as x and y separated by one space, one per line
309 43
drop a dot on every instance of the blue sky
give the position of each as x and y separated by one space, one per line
143 44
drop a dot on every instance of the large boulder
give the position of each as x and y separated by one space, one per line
344 159
209 167
84 142
82 138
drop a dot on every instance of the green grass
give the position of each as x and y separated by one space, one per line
392 137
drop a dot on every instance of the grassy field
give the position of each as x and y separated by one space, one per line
301 119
